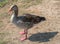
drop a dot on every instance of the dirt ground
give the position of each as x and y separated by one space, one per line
46 32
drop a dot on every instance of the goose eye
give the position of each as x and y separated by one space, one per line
14 8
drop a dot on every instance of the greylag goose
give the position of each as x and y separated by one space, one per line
25 21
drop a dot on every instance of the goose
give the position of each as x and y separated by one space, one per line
25 21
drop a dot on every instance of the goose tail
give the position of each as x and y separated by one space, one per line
39 19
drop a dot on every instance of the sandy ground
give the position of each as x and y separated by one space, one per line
46 32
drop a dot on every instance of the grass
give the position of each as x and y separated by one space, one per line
2 35
14 0
2 16
28 3
3 42
25 4
1 24
3 2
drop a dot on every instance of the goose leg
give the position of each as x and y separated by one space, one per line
24 32
25 35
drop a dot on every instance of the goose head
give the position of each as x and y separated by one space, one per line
14 9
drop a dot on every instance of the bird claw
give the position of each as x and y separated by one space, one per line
22 33
23 38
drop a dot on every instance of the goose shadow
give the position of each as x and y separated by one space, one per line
42 37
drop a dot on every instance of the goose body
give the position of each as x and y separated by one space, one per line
25 21
21 21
